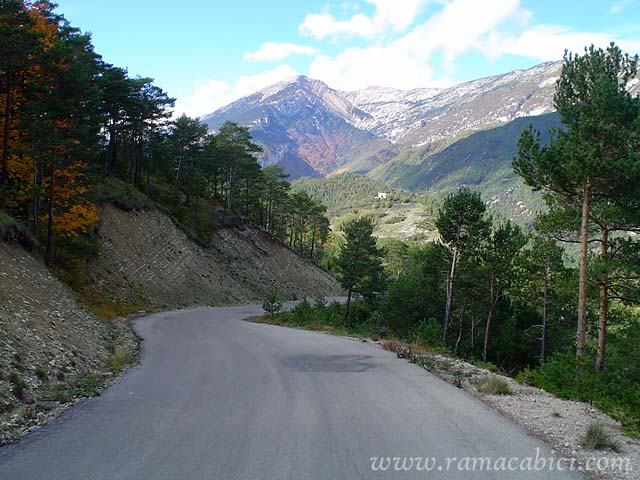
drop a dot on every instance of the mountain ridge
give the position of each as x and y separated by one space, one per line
313 130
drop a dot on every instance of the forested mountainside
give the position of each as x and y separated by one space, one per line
342 192
481 161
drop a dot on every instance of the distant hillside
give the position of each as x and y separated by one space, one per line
402 214
343 192
481 161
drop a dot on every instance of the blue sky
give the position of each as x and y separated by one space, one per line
208 53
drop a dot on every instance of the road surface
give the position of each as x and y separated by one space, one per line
216 398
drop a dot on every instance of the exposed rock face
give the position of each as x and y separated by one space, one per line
147 260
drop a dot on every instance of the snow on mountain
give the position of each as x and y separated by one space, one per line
421 116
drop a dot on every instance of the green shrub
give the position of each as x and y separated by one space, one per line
486 366
615 390
272 304
42 375
427 332
88 385
493 385
13 231
319 301
597 437
19 385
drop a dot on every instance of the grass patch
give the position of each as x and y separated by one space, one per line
597 437
88 385
486 366
493 385
120 359
123 195
396 219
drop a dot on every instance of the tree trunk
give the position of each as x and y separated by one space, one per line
5 135
545 310
604 307
178 175
229 204
346 307
313 240
197 204
247 203
37 182
447 311
581 335
460 327
492 306
148 173
269 211
291 234
112 149
473 326
49 250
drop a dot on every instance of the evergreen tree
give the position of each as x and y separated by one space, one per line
595 158
463 227
359 263
500 261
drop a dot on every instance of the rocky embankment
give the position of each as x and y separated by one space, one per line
52 349
148 263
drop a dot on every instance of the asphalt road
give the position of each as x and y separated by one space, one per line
219 398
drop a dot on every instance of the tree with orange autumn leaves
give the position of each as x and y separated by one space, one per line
71 126
47 120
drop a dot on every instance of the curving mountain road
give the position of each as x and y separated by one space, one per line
219 398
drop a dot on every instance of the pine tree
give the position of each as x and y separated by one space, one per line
594 159
463 227
359 263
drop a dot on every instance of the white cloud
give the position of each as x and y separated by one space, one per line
406 62
205 93
620 5
459 27
548 42
210 95
389 15
272 51
493 28
357 68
